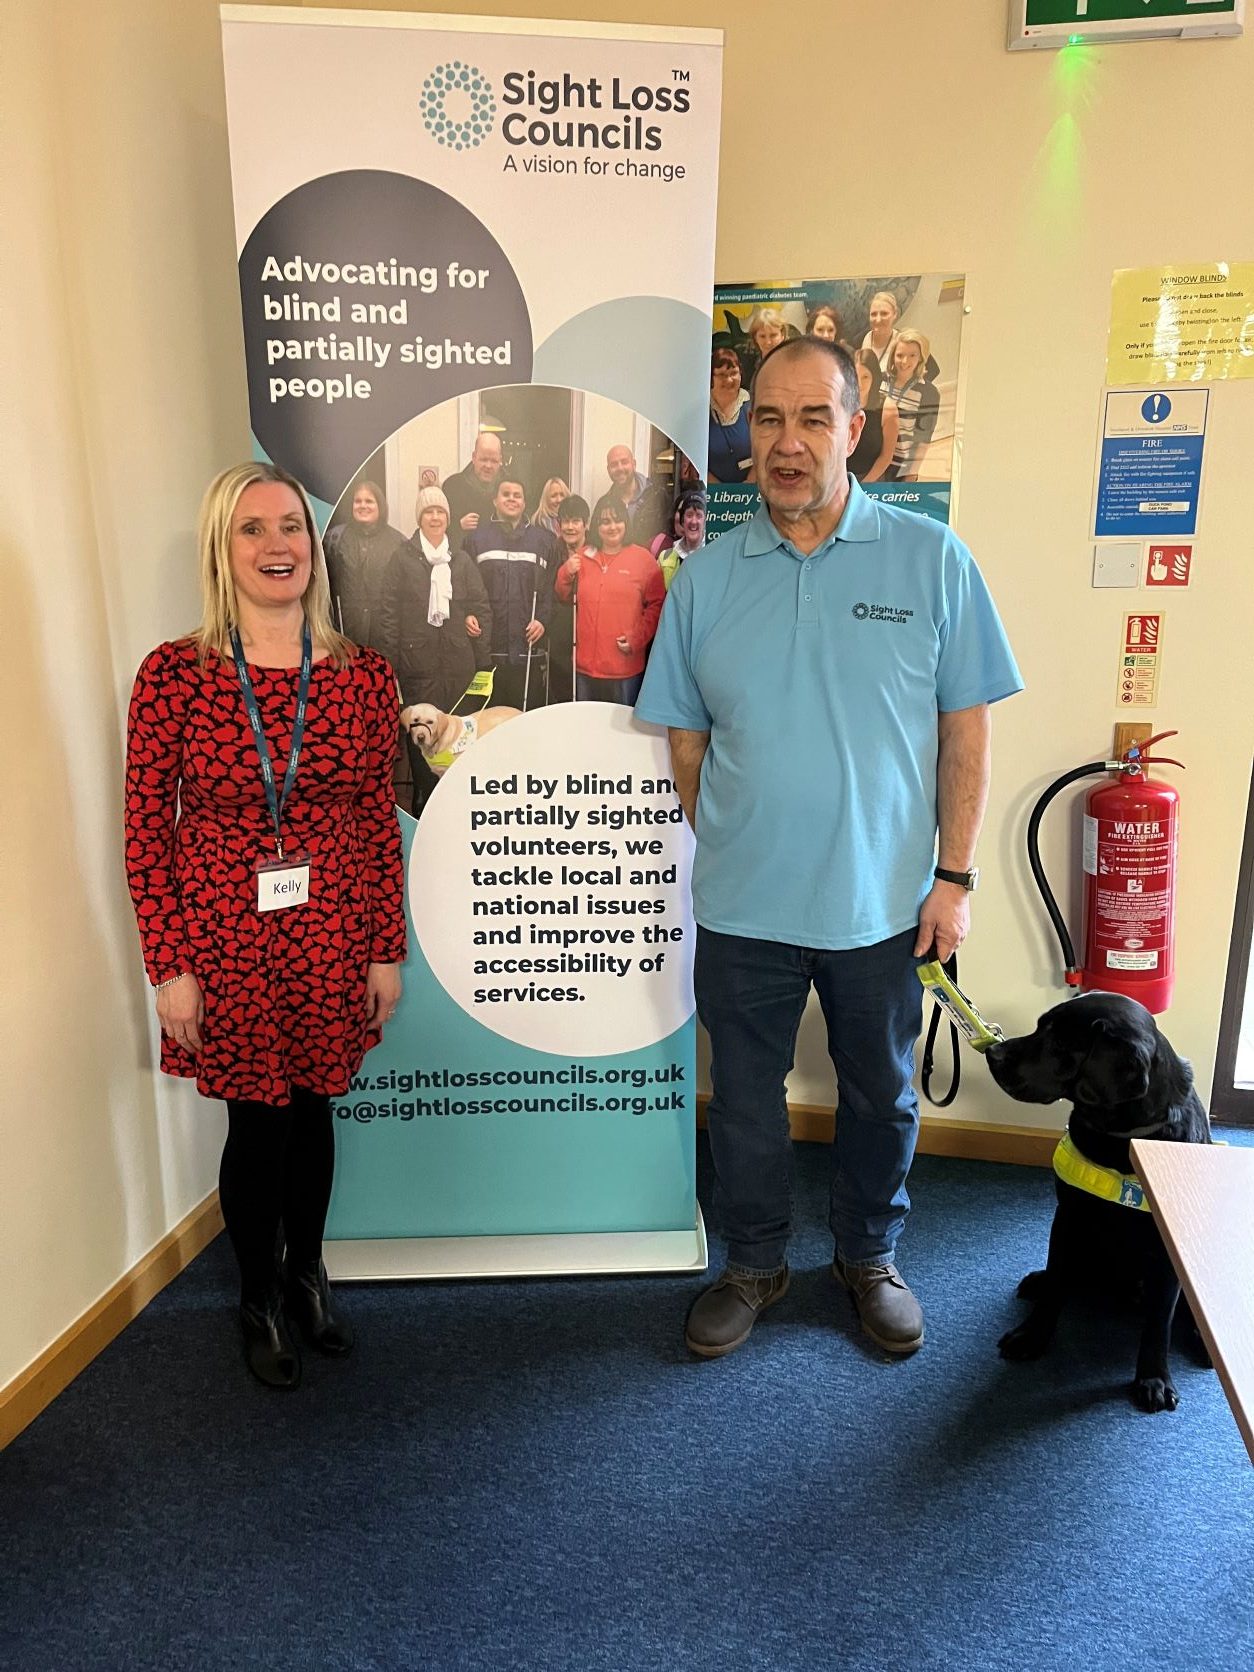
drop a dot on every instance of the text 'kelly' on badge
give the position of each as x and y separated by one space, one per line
283 883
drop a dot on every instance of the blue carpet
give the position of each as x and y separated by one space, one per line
535 1475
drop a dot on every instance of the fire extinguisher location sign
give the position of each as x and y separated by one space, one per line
1149 475
1140 659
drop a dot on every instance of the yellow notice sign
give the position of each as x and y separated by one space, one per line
1181 324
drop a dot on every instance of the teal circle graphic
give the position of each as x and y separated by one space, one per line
472 85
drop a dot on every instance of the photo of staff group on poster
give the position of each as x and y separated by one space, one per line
904 332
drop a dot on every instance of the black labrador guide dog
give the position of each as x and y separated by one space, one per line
1105 1054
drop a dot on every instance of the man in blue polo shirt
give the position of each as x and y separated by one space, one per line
825 672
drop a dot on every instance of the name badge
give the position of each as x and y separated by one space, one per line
283 883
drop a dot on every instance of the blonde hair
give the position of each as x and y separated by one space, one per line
766 316
553 481
909 335
219 608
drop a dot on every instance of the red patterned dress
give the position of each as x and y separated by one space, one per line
284 991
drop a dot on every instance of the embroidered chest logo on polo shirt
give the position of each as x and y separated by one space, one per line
881 612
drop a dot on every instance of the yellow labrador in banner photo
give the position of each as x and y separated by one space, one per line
443 737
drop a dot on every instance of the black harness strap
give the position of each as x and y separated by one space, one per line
929 1047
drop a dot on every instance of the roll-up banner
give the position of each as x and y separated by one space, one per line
476 256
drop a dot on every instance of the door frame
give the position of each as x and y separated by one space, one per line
1229 1103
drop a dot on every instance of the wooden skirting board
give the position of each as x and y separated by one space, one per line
55 1368
1025 1146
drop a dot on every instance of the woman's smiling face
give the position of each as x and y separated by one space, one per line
271 555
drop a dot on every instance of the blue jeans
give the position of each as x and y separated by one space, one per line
750 998
626 690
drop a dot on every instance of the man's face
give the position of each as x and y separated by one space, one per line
486 458
693 525
509 501
621 464
800 434
574 532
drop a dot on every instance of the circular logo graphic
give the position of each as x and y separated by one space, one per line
860 612
458 105
1154 408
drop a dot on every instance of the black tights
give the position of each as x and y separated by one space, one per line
275 1185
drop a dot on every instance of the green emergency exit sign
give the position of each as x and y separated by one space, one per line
1049 23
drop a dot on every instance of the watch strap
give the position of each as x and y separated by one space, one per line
964 879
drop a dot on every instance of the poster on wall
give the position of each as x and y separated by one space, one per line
1181 324
905 334
475 405
1149 471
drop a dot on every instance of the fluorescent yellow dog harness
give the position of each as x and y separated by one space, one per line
480 686
1074 1168
446 757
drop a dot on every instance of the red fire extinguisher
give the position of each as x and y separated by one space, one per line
1131 831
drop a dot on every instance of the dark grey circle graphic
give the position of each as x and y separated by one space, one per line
860 612
416 336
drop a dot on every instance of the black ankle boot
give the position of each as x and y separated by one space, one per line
269 1351
309 1304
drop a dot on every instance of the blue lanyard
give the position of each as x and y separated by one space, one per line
276 803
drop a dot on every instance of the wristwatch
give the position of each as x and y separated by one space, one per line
965 879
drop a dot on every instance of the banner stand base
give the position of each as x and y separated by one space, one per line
570 1254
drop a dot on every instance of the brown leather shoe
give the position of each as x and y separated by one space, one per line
722 1316
888 1312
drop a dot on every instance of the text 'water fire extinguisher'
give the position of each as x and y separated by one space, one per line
1131 837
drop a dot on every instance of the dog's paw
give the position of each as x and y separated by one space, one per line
1031 1286
1154 1393
1024 1342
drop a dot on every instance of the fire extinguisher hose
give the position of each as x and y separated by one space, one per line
1038 870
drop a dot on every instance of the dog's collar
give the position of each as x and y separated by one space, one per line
1076 1169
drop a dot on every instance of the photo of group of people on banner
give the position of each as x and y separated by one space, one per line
529 572
904 335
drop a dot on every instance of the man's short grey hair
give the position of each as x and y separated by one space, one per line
850 398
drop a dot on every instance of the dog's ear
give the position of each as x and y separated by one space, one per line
1116 1070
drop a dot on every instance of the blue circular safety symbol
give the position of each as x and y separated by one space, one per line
1154 408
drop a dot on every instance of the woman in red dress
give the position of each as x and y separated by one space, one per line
270 905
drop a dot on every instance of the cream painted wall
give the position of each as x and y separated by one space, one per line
430 439
1034 174
122 337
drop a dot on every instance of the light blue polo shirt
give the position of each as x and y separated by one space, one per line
819 680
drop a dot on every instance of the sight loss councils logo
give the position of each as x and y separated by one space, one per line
458 105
